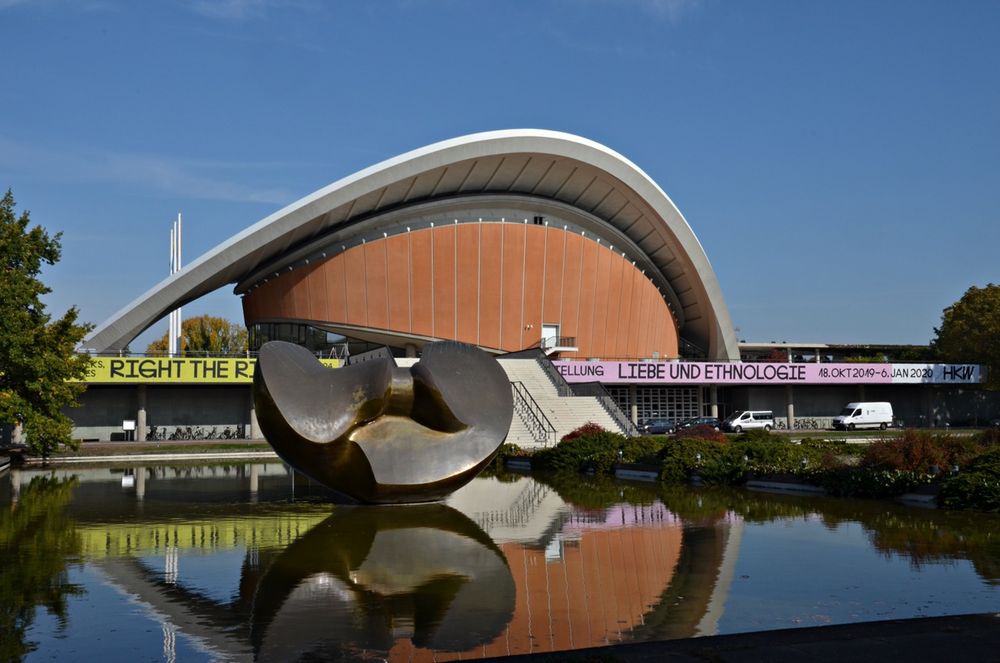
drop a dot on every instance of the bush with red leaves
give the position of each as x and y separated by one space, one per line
588 428
703 432
917 451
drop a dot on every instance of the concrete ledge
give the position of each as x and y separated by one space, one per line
919 499
154 458
518 463
784 487
637 472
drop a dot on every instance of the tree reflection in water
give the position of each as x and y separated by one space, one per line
920 535
37 543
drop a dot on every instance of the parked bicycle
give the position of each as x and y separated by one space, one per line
179 433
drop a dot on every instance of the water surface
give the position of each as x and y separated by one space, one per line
251 562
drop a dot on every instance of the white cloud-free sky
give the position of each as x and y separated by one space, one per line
839 161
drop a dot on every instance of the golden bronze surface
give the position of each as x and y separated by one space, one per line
380 433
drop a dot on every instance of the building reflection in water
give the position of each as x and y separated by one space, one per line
504 568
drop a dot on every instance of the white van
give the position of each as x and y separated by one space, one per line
742 420
864 415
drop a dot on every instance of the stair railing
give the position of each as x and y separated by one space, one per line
593 389
554 376
526 407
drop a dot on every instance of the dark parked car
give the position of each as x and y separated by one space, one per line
699 421
657 427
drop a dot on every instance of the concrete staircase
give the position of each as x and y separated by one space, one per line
564 412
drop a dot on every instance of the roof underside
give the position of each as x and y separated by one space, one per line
546 166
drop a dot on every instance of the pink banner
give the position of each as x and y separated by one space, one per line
693 372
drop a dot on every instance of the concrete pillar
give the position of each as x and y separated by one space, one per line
254 481
861 392
928 418
140 483
255 433
713 398
411 350
140 417
790 399
633 403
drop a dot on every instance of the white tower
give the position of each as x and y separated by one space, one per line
174 333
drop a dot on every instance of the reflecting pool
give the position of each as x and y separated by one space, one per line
252 562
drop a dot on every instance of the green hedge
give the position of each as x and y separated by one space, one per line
596 452
975 487
882 469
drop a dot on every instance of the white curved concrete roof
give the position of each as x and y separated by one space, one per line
564 169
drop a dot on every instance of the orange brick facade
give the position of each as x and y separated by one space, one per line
488 284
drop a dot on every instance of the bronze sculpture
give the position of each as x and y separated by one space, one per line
379 433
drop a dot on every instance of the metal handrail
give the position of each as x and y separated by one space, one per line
558 342
608 402
554 376
531 414
594 389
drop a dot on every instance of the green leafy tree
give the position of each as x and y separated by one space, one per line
206 334
38 358
970 331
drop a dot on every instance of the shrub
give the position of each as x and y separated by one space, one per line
703 432
643 449
710 459
988 439
769 455
976 487
866 481
509 450
913 451
597 451
917 451
588 428
835 447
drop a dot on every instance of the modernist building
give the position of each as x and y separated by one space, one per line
507 240
495 239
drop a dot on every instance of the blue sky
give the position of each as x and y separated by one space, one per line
839 161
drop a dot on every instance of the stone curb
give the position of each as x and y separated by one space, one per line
146 458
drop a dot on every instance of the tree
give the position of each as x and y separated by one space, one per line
970 331
206 335
38 357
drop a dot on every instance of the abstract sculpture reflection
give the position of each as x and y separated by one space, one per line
380 433
367 577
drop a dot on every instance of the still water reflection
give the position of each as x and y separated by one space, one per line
249 562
